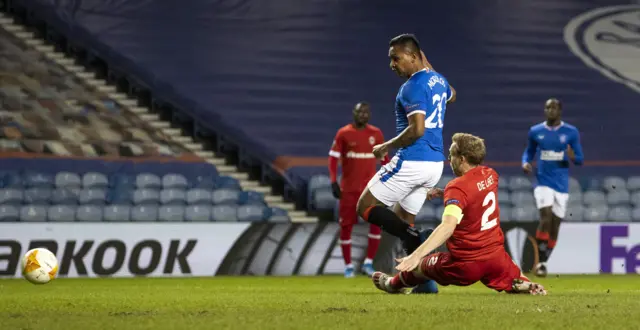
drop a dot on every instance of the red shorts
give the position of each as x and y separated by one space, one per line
348 203
496 273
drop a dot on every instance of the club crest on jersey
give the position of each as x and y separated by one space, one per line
372 140
608 40
563 138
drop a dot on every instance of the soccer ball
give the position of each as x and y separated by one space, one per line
39 266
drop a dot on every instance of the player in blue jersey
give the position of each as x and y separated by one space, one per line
417 166
557 144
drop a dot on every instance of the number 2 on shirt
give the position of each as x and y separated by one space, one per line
486 224
431 121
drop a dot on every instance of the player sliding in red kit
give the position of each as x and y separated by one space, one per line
353 146
471 229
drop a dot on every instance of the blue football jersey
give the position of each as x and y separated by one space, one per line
550 145
426 92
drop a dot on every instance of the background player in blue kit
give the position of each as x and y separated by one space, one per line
557 143
417 166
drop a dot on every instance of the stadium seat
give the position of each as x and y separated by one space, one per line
317 182
635 198
122 195
174 181
173 197
574 185
591 183
94 180
148 181
427 213
33 213
171 213
198 196
505 213
635 214
144 213
204 182
198 213
504 198
227 182
225 196
277 215
65 196
9 213
612 183
224 213
596 213
251 197
121 181
251 212
575 213
37 195
620 214
12 180
67 180
633 183
10 196
575 198
38 180
93 196
594 197
519 182
522 198
524 213
503 182
146 197
618 197
323 200
89 213
61 213
115 213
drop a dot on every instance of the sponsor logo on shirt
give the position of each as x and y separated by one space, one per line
551 155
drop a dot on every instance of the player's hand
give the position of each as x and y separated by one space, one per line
380 150
407 263
526 167
570 153
335 189
435 193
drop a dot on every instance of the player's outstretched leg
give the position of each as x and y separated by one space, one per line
382 281
523 285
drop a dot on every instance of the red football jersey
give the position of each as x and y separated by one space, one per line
478 235
354 148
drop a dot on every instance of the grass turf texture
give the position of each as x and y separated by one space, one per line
574 302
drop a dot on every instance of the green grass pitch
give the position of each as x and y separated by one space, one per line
324 302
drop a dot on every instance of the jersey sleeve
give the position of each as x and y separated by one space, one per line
454 195
414 99
574 142
449 92
337 146
532 147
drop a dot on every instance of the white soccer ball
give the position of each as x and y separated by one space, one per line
39 266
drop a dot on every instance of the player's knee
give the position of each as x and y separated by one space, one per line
546 215
365 201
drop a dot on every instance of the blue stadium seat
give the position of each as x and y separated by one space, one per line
171 213
115 213
67 180
174 181
612 183
635 198
173 197
198 196
95 180
618 197
122 196
524 213
9 213
12 180
574 185
89 213
594 197
10 196
633 183
121 181
144 213
148 181
519 182
596 213
575 213
65 196
146 197
522 198
620 214
635 214
224 213
251 197
38 180
504 198
505 213
37 195
198 213
591 183
277 214
92 196
225 196
33 213
251 212
227 182
427 213
204 182
61 213
317 182
323 200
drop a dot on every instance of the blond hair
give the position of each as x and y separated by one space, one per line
470 147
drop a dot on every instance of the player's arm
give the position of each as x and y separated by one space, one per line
529 152
450 219
414 101
380 140
452 94
334 157
575 149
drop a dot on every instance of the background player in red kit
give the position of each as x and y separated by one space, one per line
353 146
470 227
